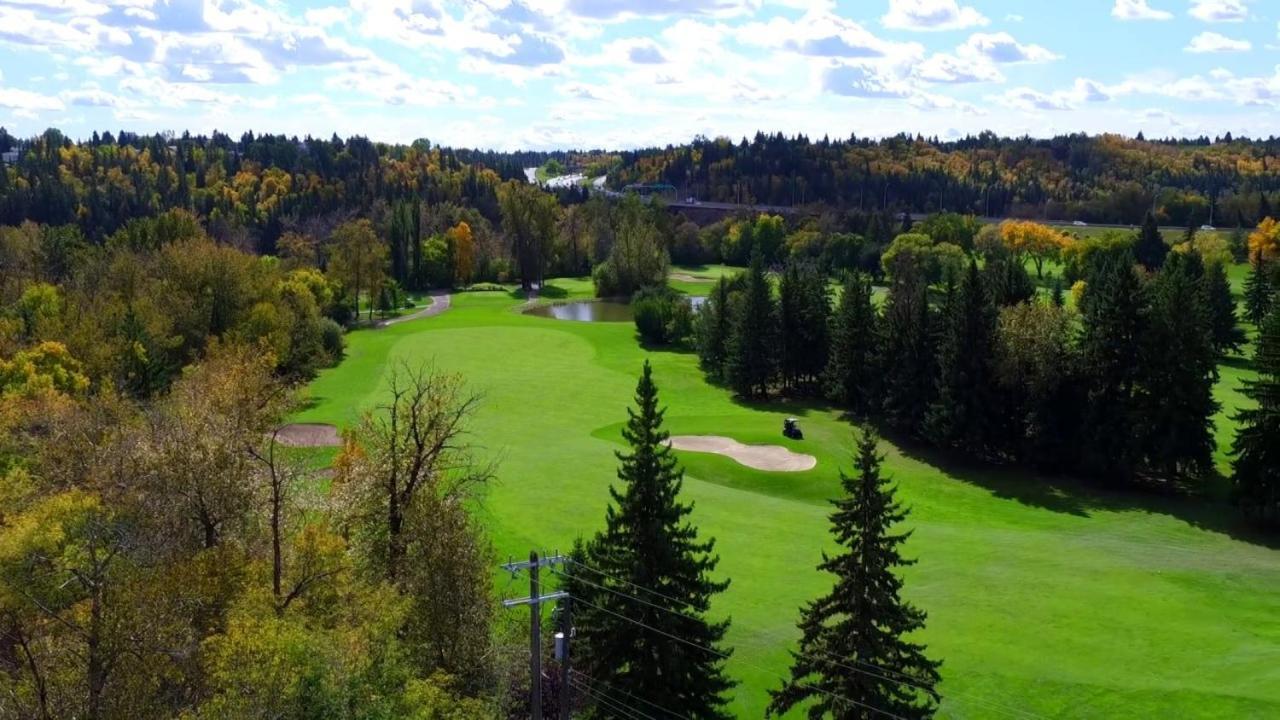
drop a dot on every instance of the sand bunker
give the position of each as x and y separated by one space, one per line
686 277
760 457
309 435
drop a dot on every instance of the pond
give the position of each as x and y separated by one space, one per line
594 310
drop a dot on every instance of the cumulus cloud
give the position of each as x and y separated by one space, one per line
25 100
822 34
1138 10
1219 10
931 15
1002 48
1212 42
944 68
619 9
864 81
1025 98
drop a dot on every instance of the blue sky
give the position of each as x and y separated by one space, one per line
624 73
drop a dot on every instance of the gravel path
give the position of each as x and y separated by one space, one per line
440 301
761 457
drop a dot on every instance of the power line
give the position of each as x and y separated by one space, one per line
901 679
726 656
628 693
611 702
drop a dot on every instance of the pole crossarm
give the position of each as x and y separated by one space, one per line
557 595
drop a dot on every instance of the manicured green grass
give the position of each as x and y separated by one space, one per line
1043 596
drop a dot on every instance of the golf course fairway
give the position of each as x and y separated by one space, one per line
1045 597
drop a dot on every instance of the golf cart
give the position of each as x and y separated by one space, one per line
791 429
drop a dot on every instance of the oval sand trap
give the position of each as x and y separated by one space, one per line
309 435
761 457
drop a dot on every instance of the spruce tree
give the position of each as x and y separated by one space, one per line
1111 311
1150 250
851 370
1178 370
964 413
649 550
853 660
1057 296
1256 471
752 360
1227 334
712 329
1258 293
907 354
804 320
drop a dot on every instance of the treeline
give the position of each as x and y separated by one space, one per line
1101 179
1114 381
250 190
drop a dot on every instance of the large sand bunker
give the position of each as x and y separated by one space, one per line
760 457
309 435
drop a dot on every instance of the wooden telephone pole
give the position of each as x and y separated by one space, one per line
534 601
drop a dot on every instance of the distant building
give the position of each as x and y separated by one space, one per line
10 157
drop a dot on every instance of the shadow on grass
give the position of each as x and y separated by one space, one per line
1075 496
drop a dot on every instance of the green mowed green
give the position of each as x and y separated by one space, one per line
1043 597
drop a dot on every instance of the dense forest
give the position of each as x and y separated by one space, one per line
1103 179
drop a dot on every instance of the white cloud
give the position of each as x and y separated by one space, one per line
1002 48
326 16
1025 98
944 68
822 34
931 15
1212 42
1219 10
27 101
1138 10
862 80
623 9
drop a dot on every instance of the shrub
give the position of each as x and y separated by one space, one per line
662 316
332 339
651 318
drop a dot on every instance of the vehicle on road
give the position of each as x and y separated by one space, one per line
1080 223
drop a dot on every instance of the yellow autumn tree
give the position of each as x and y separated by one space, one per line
462 250
1031 239
1265 240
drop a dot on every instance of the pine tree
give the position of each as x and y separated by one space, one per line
1256 472
1258 294
1178 370
851 369
712 329
804 322
1112 317
907 354
648 544
752 360
854 661
965 410
1227 334
1150 251
1059 299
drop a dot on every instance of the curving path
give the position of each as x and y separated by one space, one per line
440 301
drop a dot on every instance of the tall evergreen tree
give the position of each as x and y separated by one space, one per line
851 369
804 322
1112 310
1258 293
907 354
965 411
1150 250
1227 334
1256 471
712 329
854 661
1178 367
752 360
647 544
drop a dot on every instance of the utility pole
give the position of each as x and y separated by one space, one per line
534 601
562 654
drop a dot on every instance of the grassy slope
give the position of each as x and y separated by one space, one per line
1041 595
